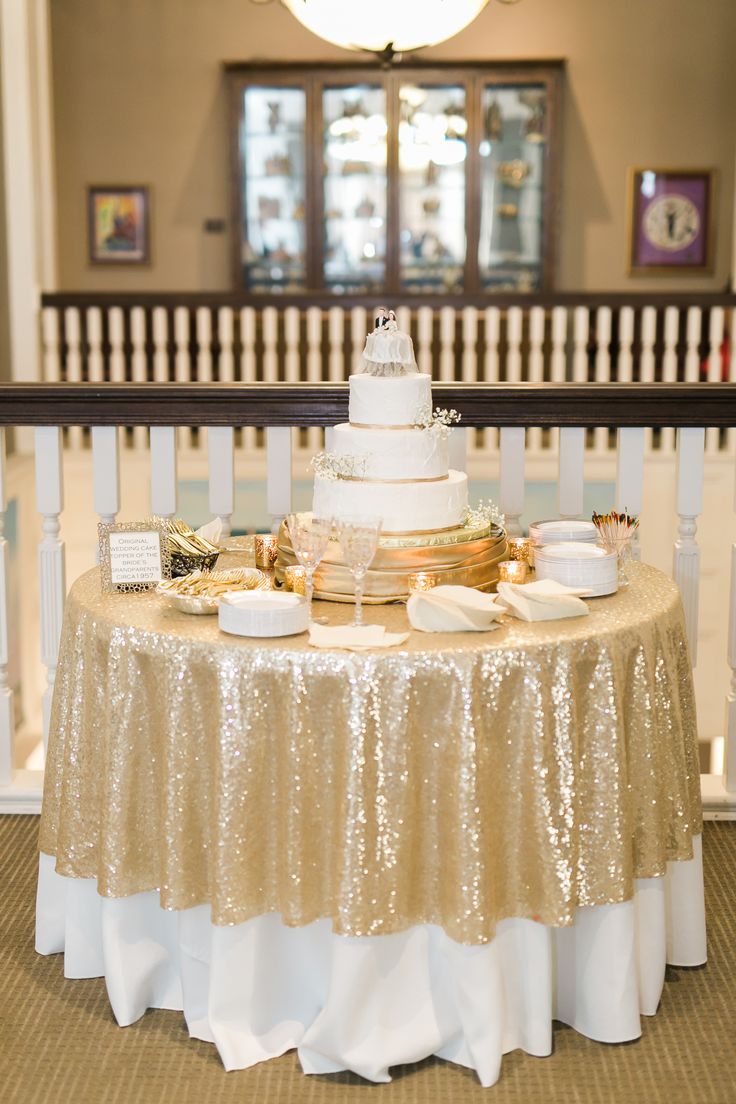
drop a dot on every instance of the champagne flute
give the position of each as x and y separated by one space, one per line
359 541
309 538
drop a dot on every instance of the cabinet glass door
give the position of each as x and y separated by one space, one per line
273 166
354 120
432 159
512 161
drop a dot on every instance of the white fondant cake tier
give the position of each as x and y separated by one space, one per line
398 401
403 507
393 453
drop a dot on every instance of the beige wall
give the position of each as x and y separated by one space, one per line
139 98
4 310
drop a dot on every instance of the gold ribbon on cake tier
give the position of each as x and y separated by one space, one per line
463 562
458 780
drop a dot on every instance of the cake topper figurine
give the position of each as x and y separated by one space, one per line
388 351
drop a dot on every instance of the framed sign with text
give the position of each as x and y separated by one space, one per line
134 556
670 221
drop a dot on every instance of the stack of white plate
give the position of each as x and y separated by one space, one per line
566 529
578 564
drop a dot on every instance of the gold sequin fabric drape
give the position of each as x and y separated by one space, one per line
456 781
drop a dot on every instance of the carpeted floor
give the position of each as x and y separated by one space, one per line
59 1042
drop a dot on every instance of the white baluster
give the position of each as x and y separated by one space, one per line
51 563
669 367
625 368
314 367
95 360
729 756
270 324
336 328
202 366
248 370
6 694
514 329
558 361
470 345
630 477
447 344
106 472
425 331
73 364
690 464
314 344
646 361
182 362
536 366
512 476
571 471
358 331
403 319
221 456
138 365
50 336
116 337
291 340
491 374
225 329
163 471
581 327
160 327
715 340
278 474
692 357
602 369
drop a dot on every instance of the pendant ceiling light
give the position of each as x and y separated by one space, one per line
380 24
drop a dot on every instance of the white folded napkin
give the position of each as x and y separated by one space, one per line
544 600
356 638
211 532
453 609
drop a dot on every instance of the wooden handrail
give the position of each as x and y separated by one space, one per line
320 404
236 300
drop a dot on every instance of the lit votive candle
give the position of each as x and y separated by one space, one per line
295 579
520 548
422 580
267 550
512 571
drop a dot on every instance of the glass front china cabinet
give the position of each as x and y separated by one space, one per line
409 181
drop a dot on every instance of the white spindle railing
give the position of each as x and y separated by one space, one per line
6 693
51 561
690 456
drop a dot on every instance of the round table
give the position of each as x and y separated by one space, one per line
447 790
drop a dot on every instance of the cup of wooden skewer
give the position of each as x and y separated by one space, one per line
616 531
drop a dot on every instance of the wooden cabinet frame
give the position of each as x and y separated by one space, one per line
474 77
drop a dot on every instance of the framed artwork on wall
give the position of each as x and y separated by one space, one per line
670 218
118 224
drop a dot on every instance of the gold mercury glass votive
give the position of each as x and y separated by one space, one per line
295 579
512 571
520 548
267 550
422 580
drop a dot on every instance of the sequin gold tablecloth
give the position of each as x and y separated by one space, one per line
457 781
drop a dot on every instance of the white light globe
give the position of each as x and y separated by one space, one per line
407 24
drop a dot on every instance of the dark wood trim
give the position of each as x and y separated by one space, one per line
251 69
204 404
235 299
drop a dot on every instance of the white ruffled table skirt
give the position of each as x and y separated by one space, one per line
260 988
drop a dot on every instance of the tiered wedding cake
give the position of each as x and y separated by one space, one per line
391 460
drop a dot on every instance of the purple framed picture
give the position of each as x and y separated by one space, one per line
670 221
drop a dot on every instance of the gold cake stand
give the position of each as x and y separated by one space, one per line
466 556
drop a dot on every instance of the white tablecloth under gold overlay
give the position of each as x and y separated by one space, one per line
376 856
